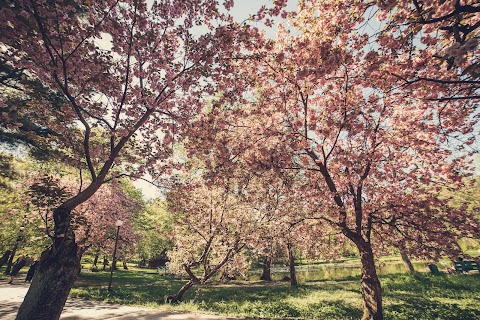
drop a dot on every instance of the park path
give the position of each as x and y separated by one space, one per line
11 296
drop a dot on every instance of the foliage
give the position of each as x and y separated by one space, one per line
113 204
154 225
20 125
363 118
468 197
111 201
212 224
11 210
442 41
45 194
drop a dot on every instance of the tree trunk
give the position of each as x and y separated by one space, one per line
291 265
124 261
406 260
10 261
266 275
57 271
95 261
5 258
371 289
105 262
179 296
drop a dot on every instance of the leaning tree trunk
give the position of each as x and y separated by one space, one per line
58 269
5 258
291 265
206 276
371 289
179 296
406 260
10 261
266 274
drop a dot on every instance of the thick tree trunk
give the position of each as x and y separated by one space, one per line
179 296
54 277
266 274
371 289
291 265
124 262
406 260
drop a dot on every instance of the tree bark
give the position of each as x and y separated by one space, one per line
371 289
124 262
291 265
266 274
406 260
57 271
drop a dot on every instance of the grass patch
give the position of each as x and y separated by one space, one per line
427 296
418 296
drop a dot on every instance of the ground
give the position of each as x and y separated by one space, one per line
11 297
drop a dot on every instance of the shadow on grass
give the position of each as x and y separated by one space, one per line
427 296
137 288
281 309
423 308
417 296
279 300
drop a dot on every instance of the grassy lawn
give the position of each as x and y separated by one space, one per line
419 296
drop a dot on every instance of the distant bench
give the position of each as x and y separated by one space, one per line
465 266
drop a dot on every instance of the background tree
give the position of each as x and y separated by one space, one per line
154 226
10 207
113 203
212 225
19 112
18 232
467 199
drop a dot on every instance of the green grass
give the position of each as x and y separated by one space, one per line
418 296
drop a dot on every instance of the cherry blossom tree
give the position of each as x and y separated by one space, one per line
432 38
326 103
283 213
129 73
212 225
111 202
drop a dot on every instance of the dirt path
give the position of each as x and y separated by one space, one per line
11 296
